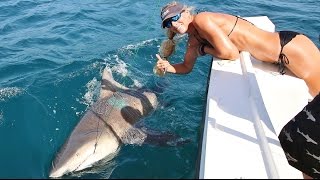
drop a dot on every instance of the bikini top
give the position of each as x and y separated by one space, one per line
204 41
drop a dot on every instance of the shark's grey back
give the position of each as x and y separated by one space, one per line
108 122
122 110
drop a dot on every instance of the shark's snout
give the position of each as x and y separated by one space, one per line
55 175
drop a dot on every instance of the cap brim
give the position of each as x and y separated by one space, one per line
168 17
174 11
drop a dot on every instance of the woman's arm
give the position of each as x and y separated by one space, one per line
180 68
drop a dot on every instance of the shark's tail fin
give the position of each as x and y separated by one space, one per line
108 84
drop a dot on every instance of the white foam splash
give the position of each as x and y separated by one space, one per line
1 118
9 92
93 89
92 93
120 67
136 83
140 44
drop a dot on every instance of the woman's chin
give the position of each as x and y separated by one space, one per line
181 30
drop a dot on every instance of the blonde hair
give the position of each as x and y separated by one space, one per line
168 46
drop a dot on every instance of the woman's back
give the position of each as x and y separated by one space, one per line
247 37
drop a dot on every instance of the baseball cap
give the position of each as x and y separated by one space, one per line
170 11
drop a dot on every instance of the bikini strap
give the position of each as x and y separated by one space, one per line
234 25
283 60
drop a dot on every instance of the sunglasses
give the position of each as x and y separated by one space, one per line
168 23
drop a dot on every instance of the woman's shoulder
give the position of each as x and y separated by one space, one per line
205 13
203 16
211 15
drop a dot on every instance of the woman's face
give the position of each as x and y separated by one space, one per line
180 26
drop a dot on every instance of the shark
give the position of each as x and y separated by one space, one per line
109 122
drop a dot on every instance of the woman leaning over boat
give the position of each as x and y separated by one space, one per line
224 36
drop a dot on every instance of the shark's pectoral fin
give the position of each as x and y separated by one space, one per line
133 136
138 136
164 139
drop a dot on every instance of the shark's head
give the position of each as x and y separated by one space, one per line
88 144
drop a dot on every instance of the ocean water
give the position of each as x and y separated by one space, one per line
52 53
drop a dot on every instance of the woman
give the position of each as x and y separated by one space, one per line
224 36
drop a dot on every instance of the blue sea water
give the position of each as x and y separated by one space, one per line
52 53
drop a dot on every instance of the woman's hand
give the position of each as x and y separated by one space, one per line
162 64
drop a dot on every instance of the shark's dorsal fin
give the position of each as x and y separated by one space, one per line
108 84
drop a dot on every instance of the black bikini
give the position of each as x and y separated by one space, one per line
285 38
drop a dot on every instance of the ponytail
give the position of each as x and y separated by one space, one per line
166 49
168 46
